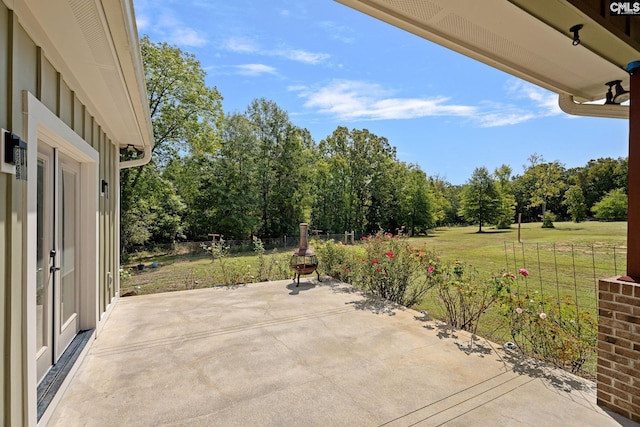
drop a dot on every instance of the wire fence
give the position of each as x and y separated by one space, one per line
566 272
246 245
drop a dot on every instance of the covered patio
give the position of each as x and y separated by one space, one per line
320 354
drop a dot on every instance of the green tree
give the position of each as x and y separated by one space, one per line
359 178
612 207
283 168
480 199
417 201
575 202
236 193
446 199
600 176
186 116
546 181
221 190
157 217
507 208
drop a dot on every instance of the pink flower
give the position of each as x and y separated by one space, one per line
374 261
509 275
543 316
523 272
519 310
347 271
390 254
431 269
377 270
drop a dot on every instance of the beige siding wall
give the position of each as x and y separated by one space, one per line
4 209
25 67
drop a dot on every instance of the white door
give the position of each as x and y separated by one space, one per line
57 292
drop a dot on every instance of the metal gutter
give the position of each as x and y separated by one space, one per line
568 104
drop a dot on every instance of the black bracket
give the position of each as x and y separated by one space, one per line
576 33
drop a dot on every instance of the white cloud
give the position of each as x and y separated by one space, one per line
352 100
502 118
167 26
301 56
186 37
240 45
545 101
255 69
249 46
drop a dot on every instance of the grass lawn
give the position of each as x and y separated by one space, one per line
486 250
183 272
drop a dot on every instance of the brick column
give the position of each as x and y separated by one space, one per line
618 380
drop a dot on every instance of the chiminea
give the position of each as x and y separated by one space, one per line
304 261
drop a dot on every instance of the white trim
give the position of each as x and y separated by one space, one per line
42 124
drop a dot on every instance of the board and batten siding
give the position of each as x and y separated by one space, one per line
25 67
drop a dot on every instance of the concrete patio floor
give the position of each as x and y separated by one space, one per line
323 354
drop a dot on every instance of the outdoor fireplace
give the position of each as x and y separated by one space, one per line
304 260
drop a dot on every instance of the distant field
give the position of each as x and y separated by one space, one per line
486 250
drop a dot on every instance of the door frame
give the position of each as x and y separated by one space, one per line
43 125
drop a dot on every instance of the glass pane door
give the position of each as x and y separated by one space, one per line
57 278
69 268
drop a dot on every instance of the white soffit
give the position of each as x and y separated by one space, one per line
505 36
95 48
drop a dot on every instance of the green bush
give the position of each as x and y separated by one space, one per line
334 259
390 269
547 219
465 296
612 207
547 329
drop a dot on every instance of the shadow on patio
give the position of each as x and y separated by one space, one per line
321 354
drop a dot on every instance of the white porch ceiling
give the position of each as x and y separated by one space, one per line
529 39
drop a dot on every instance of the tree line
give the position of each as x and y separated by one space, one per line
255 173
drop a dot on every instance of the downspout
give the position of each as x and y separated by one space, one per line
138 162
613 111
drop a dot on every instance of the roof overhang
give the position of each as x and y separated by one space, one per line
94 45
530 39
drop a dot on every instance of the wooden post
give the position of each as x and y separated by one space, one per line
519 224
633 212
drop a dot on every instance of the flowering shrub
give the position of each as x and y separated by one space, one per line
334 259
464 296
390 269
547 329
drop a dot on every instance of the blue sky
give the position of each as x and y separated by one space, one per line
328 65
